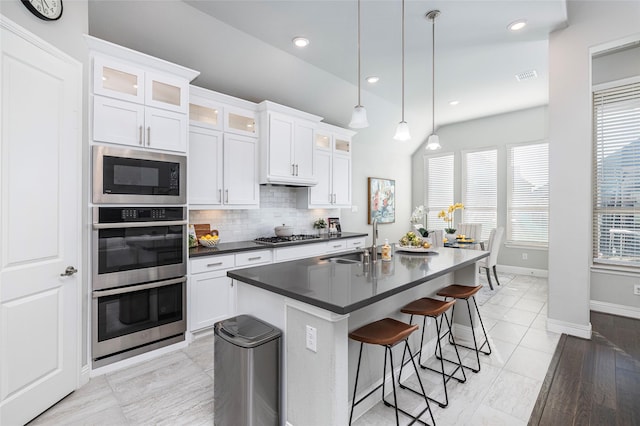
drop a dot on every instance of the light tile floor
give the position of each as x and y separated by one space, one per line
177 388
505 390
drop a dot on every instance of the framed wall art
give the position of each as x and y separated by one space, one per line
382 200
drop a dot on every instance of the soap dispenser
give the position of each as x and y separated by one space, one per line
386 251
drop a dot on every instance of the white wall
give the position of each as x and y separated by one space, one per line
591 23
490 132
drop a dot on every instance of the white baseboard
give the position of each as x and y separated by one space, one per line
578 330
85 375
518 270
615 309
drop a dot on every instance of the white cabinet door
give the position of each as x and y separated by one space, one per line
321 194
118 80
205 113
212 297
280 142
240 121
162 91
117 121
205 167
240 171
303 150
40 169
165 130
341 181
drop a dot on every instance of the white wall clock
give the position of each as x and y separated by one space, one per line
48 10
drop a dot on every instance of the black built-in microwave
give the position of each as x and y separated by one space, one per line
129 176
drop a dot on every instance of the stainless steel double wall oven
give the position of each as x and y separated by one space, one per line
139 252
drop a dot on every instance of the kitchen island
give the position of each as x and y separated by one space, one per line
316 301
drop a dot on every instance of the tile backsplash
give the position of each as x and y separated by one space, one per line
277 207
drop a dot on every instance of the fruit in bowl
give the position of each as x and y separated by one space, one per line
410 239
209 240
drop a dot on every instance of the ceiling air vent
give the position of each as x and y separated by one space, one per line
527 75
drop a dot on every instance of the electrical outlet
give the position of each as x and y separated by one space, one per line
636 289
312 338
525 256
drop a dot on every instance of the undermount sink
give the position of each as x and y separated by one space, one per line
347 258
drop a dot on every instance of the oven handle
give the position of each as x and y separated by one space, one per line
103 293
138 224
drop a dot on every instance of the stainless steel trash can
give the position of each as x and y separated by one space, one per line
246 372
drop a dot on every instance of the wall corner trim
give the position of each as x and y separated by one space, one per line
615 309
572 329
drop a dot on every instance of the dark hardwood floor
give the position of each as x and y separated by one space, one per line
594 382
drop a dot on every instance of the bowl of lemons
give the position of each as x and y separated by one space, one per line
209 240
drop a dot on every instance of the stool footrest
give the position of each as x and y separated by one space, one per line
416 419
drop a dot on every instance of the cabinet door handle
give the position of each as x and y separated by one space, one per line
149 136
209 265
330 198
296 170
255 258
220 195
337 246
293 169
226 192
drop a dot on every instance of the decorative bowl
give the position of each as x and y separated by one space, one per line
209 243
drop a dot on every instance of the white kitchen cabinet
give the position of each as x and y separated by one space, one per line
222 170
332 163
240 121
286 141
138 100
212 297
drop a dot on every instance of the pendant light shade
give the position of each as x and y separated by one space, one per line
402 132
359 116
433 142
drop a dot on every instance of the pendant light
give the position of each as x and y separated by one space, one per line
359 116
402 131
433 142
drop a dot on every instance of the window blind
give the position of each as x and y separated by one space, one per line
480 189
616 166
528 193
439 188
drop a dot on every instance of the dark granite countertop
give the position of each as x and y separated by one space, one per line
230 248
346 287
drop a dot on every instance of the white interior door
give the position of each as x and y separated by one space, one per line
41 110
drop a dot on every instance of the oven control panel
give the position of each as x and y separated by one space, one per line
138 214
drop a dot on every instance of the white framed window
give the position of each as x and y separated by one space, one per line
616 174
480 188
528 194
438 184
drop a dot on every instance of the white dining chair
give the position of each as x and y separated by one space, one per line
437 238
495 242
470 230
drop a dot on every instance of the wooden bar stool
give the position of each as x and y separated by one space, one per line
387 332
463 292
436 309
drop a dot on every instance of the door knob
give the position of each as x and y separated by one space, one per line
69 271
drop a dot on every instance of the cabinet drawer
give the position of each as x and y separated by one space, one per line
212 263
356 243
253 258
338 245
299 252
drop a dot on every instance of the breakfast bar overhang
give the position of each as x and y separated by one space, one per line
316 301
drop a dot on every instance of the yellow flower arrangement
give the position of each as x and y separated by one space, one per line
447 216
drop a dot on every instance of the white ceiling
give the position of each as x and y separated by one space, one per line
476 56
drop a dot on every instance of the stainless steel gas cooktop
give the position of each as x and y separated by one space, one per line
274 241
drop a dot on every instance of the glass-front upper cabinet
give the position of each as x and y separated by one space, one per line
342 145
240 121
322 140
122 81
205 113
118 80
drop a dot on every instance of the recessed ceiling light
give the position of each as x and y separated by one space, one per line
301 42
517 25
373 79
454 103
